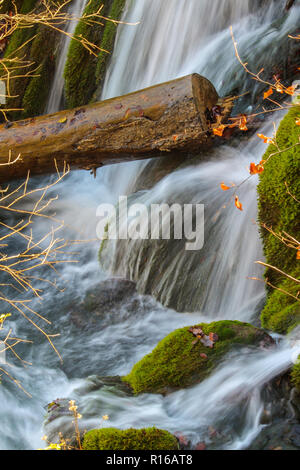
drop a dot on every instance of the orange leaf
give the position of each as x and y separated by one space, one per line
224 187
255 169
243 123
175 137
219 130
268 93
238 204
266 140
298 253
298 121
290 90
279 88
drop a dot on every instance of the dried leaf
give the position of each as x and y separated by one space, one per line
183 441
200 446
243 122
213 337
219 130
268 93
298 121
290 90
203 355
267 140
238 204
62 120
207 342
256 169
224 187
196 331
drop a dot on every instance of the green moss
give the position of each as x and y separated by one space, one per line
38 88
82 70
282 312
176 362
108 40
31 93
296 375
79 74
276 208
130 439
281 212
20 36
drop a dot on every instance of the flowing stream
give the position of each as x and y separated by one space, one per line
75 9
174 38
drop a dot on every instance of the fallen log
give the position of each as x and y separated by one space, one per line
172 117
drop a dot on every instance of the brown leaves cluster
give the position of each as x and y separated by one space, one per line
207 340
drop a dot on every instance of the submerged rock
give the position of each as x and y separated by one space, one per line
180 361
104 298
59 420
129 439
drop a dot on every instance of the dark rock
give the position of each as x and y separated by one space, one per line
289 4
104 298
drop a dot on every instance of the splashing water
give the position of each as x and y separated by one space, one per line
174 38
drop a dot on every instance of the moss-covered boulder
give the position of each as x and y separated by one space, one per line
83 70
179 361
130 439
279 209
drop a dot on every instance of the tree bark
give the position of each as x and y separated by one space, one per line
168 118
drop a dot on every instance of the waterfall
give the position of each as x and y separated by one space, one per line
174 38
75 9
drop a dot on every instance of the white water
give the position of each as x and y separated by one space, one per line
171 41
75 10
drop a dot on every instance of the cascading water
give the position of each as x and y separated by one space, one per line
175 37
55 97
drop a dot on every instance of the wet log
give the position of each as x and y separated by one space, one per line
172 117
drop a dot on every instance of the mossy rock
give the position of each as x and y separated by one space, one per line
277 209
19 46
177 363
280 211
83 70
282 312
30 94
130 439
296 375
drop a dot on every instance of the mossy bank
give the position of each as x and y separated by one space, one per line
296 375
130 439
178 362
279 209
37 45
40 46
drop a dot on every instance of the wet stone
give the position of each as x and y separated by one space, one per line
104 298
